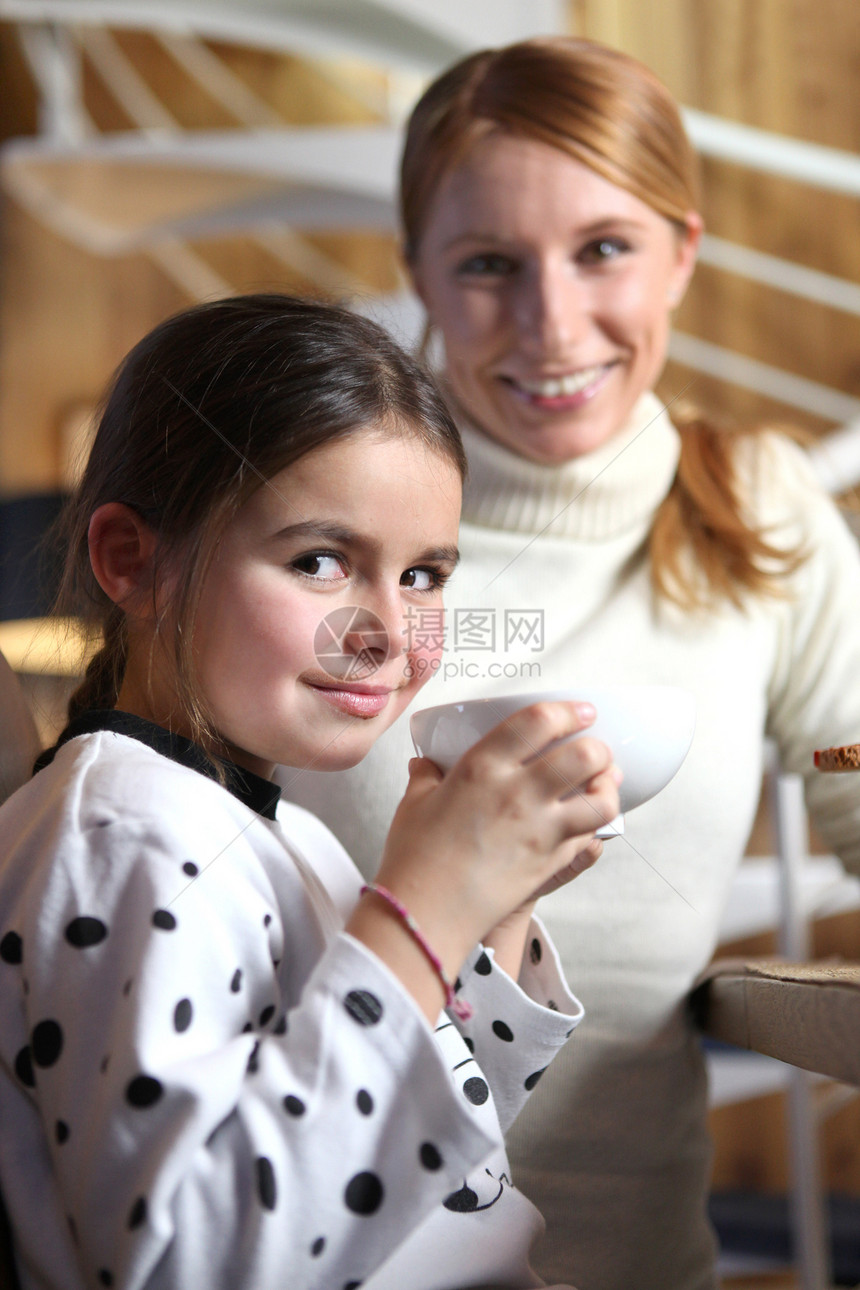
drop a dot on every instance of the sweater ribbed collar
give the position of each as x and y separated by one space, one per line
591 498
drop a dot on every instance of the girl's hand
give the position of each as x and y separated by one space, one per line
508 938
510 820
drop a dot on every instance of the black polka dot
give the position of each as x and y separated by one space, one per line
126 989
464 1201
429 1156
533 1078
182 1015
476 1090
458 986
352 1285
85 931
24 1067
363 1007
164 920
143 1091
236 981
105 1277
267 1014
363 1194
552 1005
103 823
470 1043
267 1188
267 920
254 1060
483 966
364 1101
46 1042
137 1214
190 868
318 1247
281 1027
247 1028
503 1031
61 1132
294 1105
535 951
11 948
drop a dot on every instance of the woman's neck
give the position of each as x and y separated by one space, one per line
589 498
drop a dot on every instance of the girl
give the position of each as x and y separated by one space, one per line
218 1059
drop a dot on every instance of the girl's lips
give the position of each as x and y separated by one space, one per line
560 393
354 702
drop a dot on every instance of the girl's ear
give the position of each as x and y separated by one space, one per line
122 553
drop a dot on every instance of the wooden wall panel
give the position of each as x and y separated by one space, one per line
790 66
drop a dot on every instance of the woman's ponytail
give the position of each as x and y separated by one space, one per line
704 548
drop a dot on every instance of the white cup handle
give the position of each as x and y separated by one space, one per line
612 829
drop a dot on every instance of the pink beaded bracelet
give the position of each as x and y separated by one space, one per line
459 1007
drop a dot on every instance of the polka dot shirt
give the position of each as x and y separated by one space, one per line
205 1082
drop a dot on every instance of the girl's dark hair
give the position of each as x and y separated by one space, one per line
203 410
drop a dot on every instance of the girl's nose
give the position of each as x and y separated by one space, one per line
375 632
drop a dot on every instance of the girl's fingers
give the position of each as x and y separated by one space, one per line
594 804
424 775
530 731
584 857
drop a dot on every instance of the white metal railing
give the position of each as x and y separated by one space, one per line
775 154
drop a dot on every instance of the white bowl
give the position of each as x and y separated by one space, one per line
649 729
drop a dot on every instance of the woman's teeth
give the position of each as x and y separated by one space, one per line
559 387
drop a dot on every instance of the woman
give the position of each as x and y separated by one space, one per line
549 215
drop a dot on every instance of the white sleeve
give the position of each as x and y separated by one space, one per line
214 1116
517 1028
814 698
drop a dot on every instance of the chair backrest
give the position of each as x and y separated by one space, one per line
19 738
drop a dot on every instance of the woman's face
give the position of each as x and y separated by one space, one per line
553 290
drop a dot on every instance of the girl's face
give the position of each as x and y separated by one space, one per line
320 615
552 289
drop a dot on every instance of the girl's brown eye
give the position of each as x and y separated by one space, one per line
423 579
324 565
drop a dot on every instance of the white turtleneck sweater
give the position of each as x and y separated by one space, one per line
613 1146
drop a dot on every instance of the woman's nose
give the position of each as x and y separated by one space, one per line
551 310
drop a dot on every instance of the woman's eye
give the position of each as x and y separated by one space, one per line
320 564
603 250
487 265
423 579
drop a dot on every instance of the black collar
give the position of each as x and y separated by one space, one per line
261 795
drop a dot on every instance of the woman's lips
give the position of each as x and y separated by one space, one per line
353 701
555 393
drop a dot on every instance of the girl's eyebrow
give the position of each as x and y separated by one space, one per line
337 533
318 528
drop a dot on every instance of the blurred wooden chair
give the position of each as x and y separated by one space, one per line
19 739
803 1013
